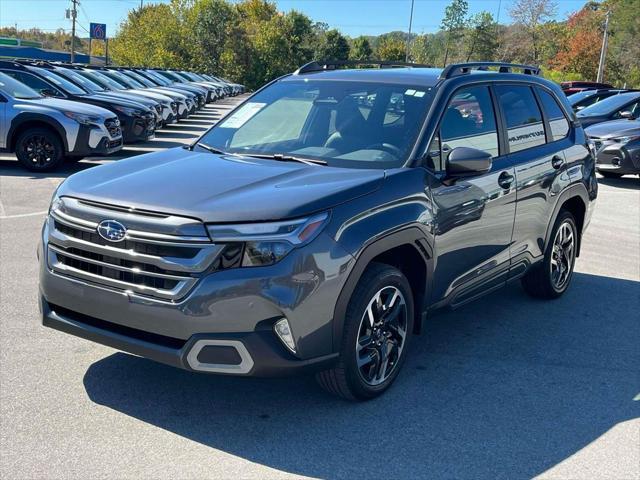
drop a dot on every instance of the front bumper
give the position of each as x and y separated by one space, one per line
138 128
615 158
255 353
232 305
97 140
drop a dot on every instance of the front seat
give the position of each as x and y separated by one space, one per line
351 128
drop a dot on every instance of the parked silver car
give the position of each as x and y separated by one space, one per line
43 132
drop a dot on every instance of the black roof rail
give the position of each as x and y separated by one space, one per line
322 65
456 69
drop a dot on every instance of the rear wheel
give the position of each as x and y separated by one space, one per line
377 329
551 277
39 149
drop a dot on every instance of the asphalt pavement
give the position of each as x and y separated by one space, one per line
507 387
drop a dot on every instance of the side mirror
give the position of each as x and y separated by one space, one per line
49 92
626 114
467 162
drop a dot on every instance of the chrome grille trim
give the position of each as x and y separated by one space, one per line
152 263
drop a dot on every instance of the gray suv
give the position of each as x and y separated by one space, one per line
43 132
316 226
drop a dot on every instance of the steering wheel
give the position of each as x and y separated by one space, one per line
386 147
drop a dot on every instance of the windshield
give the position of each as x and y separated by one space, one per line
576 97
608 105
17 90
119 78
101 79
154 78
346 124
173 76
80 80
139 78
59 81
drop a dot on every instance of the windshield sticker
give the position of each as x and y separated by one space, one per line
243 115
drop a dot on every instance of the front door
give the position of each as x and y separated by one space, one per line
473 216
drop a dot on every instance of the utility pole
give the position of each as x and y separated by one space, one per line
74 14
603 52
406 56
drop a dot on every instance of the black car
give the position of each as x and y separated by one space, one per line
138 122
581 100
624 105
311 231
617 147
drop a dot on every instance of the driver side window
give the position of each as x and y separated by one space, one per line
468 121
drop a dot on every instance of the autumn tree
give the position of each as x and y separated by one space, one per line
391 49
530 15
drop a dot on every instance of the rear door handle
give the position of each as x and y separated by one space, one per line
505 180
557 162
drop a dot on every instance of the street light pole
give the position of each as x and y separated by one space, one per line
74 14
406 56
603 51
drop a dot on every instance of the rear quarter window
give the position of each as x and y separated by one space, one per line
558 123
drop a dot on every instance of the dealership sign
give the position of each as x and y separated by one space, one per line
98 31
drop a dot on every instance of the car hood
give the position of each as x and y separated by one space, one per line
109 100
615 128
220 188
71 106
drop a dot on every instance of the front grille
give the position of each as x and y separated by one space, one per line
147 262
174 108
113 127
159 109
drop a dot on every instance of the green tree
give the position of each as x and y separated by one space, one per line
453 24
333 46
481 39
361 49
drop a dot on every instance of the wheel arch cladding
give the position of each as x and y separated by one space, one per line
406 250
25 121
575 200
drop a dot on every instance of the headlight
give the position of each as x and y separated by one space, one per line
624 140
83 119
132 112
267 243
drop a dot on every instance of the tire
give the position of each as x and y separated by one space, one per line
39 149
610 174
551 277
347 379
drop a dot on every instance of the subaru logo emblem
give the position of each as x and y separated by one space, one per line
112 231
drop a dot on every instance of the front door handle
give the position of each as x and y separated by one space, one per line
557 162
505 180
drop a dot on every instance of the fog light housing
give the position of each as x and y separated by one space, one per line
283 331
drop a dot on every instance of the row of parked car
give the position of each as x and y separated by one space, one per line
52 112
611 118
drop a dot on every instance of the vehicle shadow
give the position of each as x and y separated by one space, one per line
507 387
12 168
629 182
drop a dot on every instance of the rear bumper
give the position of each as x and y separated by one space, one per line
256 354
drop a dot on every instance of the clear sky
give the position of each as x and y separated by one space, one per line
352 17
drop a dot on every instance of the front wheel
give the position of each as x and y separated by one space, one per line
39 149
377 328
551 277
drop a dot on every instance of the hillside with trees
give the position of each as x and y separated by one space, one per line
250 41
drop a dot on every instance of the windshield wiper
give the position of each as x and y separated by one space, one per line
285 158
209 148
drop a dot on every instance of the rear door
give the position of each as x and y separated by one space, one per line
537 134
473 216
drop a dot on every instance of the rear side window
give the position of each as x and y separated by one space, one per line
557 121
525 128
468 121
